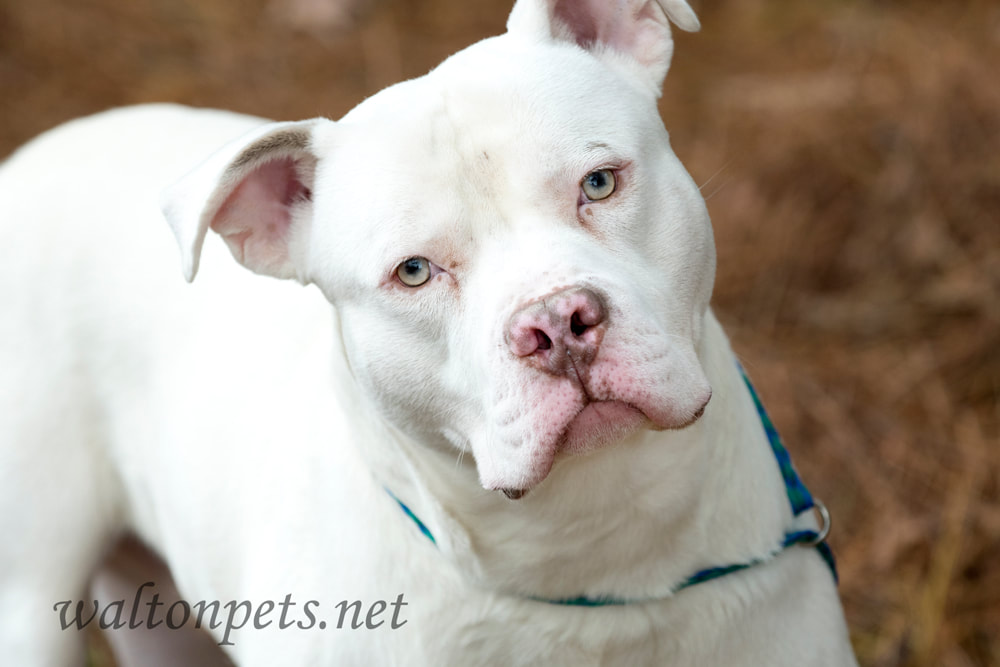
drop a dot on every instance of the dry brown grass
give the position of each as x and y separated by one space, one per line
851 154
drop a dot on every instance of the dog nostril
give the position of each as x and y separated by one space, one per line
544 342
576 325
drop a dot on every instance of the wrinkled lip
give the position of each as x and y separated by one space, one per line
598 424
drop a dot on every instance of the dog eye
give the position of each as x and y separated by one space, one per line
414 272
599 184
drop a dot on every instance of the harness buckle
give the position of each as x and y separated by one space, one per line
825 522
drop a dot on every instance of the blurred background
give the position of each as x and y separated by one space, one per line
850 154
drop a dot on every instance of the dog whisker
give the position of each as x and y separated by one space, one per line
719 171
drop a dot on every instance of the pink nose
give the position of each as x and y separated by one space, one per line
558 332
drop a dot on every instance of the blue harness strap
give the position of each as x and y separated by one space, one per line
799 498
798 495
413 517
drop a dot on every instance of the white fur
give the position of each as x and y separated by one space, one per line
245 432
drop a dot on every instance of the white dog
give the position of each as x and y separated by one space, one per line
498 450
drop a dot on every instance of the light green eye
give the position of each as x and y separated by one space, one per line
599 184
414 272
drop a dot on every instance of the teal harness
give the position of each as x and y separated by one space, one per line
799 498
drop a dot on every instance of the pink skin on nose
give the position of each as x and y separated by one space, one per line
560 332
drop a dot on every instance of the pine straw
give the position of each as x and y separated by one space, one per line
851 155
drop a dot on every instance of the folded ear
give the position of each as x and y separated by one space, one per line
252 192
639 29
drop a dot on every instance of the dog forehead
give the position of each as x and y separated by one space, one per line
488 139
507 94
546 96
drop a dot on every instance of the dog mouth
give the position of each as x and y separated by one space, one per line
607 408
599 424
596 425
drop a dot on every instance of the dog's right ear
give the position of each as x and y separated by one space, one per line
254 192
637 29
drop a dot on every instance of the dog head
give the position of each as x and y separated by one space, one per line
519 262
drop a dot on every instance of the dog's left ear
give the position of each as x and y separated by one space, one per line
256 193
639 29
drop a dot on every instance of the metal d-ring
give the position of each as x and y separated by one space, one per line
825 523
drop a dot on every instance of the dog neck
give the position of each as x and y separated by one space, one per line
631 521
